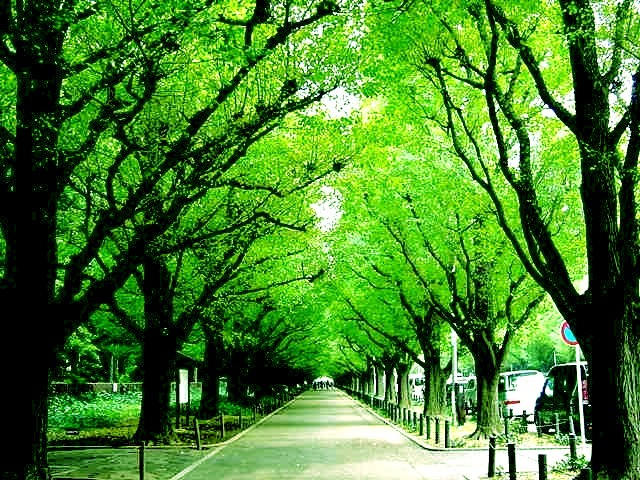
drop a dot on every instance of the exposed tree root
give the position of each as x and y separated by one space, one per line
483 432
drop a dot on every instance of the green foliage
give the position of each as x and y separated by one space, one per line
569 464
93 410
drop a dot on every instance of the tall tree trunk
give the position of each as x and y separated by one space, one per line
159 352
371 380
29 238
380 390
615 401
210 399
487 376
435 388
389 383
404 397
237 376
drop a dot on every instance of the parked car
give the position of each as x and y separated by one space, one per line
518 391
559 395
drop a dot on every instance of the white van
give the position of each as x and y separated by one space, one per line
518 391
416 387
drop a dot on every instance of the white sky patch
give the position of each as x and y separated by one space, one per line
328 209
340 104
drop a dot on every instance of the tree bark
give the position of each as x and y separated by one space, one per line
159 352
435 388
488 415
210 399
380 390
615 403
389 383
404 397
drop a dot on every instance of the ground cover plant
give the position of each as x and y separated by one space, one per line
100 419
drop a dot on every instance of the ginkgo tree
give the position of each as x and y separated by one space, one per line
539 102
119 117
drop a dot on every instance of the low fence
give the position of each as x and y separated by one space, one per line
58 388
438 429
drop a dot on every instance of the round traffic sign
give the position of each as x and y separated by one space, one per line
567 335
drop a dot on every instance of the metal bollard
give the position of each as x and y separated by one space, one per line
573 452
141 461
542 466
585 474
447 434
427 424
492 457
421 425
511 452
437 439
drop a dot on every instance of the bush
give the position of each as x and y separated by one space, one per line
571 464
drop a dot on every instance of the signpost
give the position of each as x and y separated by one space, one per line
570 339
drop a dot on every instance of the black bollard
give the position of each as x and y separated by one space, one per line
492 457
506 427
437 439
141 461
511 452
196 428
573 452
585 474
447 434
542 466
421 425
427 424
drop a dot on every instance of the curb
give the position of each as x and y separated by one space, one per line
433 448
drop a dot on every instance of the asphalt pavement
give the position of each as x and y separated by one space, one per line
328 435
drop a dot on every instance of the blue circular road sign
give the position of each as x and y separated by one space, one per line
567 335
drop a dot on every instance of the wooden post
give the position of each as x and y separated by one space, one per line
240 419
222 426
196 428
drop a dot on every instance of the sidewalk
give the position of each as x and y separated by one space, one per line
323 435
328 435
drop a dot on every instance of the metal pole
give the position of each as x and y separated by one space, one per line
454 374
579 388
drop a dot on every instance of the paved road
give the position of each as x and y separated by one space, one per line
327 435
